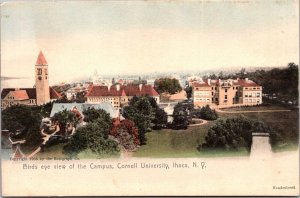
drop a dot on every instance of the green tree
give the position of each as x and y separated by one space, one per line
64 118
182 116
92 136
169 85
24 119
207 113
141 113
92 114
234 133
189 91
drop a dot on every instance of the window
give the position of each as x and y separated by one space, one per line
225 90
225 97
233 88
215 88
212 93
246 88
212 88
197 88
212 99
39 71
254 88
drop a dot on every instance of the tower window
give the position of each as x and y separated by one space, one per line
39 70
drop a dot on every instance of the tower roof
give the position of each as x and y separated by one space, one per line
41 59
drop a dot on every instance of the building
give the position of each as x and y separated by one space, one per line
39 95
227 93
119 95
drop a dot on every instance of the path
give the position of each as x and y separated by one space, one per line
255 111
202 123
46 138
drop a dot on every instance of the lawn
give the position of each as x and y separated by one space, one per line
183 143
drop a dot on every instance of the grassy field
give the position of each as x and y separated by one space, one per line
183 143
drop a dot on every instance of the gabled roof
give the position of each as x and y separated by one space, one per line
54 94
125 90
41 59
20 95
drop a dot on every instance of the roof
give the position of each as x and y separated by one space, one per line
31 92
106 106
240 82
128 90
247 83
41 59
20 95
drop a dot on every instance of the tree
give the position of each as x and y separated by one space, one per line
207 113
23 122
91 114
126 134
234 133
189 91
160 119
182 116
169 85
141 113
64 118
92 136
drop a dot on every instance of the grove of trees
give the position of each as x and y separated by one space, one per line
146 114
94 135
235 133
167 85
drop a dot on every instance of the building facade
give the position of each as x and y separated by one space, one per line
227 93
119 95
39 95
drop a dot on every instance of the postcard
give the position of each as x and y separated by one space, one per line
195 98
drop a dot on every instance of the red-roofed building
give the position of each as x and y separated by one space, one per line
119 95
226 93
39 95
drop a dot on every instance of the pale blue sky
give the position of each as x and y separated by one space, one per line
117 37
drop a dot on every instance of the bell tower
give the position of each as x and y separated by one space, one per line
42 80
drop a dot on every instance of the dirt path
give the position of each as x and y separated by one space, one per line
46 138
202 123
255 111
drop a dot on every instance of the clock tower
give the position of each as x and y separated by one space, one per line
42 80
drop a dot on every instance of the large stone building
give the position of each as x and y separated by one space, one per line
39 95
119 95
227 93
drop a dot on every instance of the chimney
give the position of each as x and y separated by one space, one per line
140 86
108 86
118 87
208 81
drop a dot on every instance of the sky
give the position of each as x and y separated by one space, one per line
124 37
